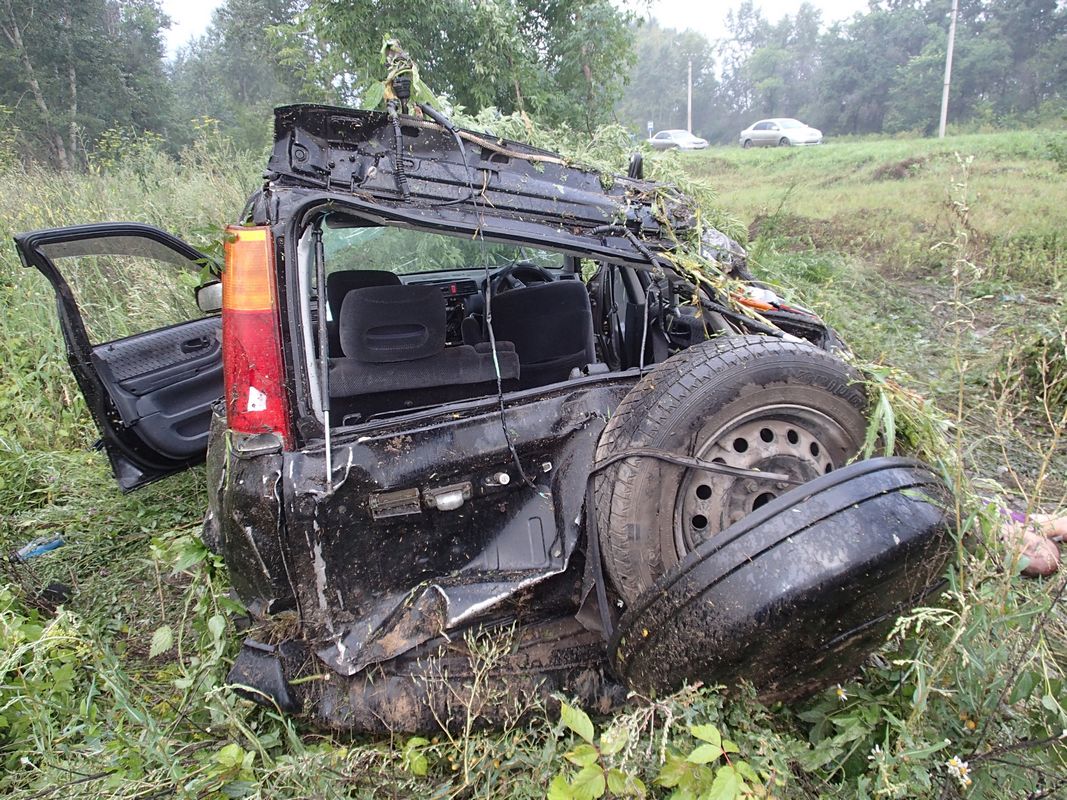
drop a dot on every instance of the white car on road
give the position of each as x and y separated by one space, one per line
779 132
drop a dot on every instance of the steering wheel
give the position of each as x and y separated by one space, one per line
518 275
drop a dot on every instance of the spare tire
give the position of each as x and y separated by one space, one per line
749 401
794 596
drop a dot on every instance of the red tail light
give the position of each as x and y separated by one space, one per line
256 401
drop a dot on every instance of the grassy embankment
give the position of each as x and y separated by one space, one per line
873 234
924 253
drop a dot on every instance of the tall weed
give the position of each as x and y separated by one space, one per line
192 197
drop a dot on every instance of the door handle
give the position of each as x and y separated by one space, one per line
193 345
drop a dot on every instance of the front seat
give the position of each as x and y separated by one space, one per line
339 284
393 340
551 326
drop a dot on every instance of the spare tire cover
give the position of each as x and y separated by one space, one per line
794 596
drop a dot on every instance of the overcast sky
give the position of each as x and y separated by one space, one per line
191 17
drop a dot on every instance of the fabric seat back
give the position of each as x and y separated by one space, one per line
387 324
340 283
551 326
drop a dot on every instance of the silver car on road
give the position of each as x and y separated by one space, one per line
780 132
683 140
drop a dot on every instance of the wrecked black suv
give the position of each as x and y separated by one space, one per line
460 391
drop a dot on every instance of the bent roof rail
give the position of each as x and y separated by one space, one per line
345 151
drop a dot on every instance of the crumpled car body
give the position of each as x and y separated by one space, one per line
411 502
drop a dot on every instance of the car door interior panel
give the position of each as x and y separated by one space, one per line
150 392
165 381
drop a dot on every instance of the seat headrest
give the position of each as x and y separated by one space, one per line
384 324
544 296
339 284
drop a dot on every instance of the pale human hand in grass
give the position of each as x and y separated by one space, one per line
1036 536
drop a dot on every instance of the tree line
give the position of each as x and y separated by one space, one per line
879 72
73 75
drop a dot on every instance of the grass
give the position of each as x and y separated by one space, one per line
889 201
921 250
120 692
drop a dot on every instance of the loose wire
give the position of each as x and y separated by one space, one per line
448 125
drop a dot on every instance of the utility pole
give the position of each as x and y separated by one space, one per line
689 118
948 69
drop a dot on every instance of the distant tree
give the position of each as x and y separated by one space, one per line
656 89
769 69
71 70
861 61
1034 66
241 68
748 30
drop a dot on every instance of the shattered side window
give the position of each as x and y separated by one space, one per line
350 245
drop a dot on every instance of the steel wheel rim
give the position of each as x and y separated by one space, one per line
799 441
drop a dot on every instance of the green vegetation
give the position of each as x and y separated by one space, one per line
942 263
120 692
74 77
893 200
896 241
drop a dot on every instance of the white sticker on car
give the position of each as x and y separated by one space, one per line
257 401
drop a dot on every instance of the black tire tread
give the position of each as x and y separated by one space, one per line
638 647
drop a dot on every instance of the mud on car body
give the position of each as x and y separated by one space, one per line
457 390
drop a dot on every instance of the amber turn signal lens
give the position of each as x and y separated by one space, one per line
247 280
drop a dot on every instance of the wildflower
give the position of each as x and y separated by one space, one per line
842 695
959 769
876 751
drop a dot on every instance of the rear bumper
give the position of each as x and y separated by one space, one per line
439 685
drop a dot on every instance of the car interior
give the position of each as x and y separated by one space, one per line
415 318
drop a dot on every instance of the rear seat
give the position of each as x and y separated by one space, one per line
339 284
393 340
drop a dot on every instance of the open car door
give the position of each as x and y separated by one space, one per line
147 360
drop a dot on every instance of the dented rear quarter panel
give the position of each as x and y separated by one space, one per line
369 589
244 520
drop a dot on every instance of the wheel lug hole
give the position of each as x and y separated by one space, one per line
700 522
767 435
762 500
703 491
792 436
740 444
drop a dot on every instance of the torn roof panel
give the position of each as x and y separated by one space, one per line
350 152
